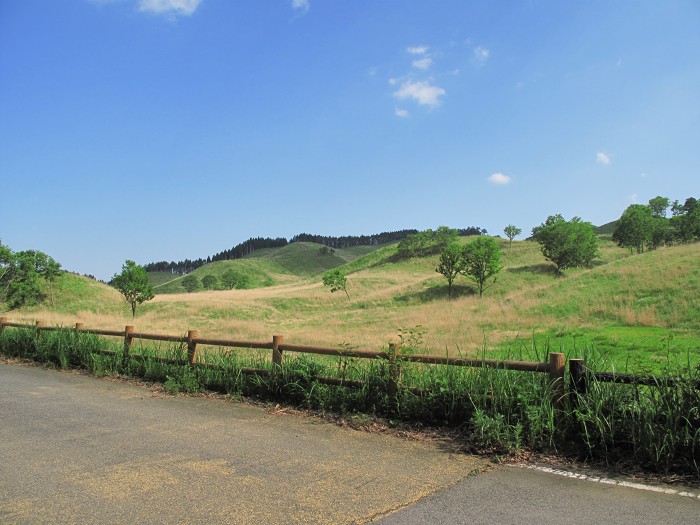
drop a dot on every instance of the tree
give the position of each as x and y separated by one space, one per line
481 261
658 206
336 280
209 281
635 228
51 272
426 242
133 284
6 267
685 223
232 279
24 276
567 244
511 232
190 283
450 264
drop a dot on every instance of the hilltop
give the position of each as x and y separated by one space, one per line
269 266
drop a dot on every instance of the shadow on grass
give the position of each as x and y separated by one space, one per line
436 293
543 269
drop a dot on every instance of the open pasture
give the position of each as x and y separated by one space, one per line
636 311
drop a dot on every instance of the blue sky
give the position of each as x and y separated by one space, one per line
171 129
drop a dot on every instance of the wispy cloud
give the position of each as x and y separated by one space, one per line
422 92
418 50
423 63
603 158
401 113
481 55
169 7
498 178
301 5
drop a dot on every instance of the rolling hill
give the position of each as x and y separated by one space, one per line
637 309
269 266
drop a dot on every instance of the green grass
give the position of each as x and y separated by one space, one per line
269 266
305 259
625 307
259 275
161 278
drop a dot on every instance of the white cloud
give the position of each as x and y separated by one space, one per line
422 92
423 63
418 50
603 158
481 55
170 7
499 178
633 198
302 5
400 112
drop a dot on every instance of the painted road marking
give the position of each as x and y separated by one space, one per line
608 481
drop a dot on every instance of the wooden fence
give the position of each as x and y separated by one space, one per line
579 375
278 348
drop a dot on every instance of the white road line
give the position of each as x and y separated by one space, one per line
608 481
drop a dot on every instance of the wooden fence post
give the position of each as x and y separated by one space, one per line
394 379
38 330
557 367
3 320
577 379
276 352
192 347
128 341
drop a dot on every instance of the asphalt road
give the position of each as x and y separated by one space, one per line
77 449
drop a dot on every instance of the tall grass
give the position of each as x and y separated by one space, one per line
656 427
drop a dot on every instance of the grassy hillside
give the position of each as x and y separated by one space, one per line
307 258
75 296
161 278
269 266
259 274
634 309
607 229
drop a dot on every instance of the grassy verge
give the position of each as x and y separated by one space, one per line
654 427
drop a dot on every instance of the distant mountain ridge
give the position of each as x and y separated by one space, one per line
251 245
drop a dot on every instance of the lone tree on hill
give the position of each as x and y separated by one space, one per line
450 264
190 283
232 279
336 280
133 284
209 281
567 244
511 232
481 261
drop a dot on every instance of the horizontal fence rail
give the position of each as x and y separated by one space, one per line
555 367
579 375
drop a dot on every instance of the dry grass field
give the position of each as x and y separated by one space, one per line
629 304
